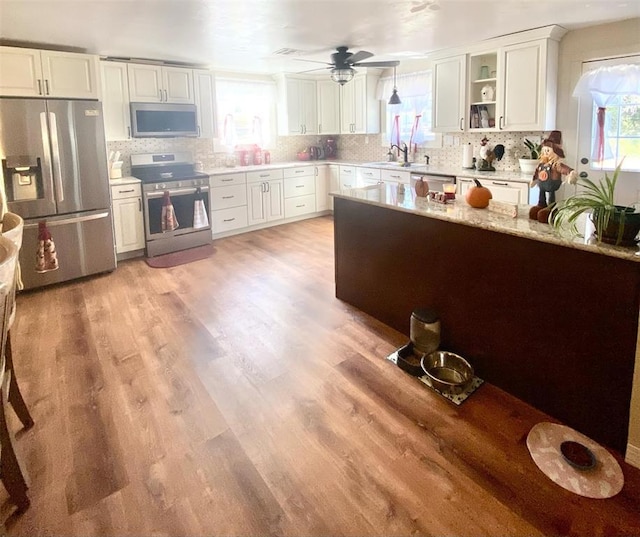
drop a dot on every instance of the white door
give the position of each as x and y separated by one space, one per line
323 202
205 96
294 113
145 83
128 224
309 107
449 96
328 107
347 104
70 75
255 203
359 104
622 138
115 101
20 72
177 85
275 200
523 87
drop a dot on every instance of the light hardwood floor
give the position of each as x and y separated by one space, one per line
237 396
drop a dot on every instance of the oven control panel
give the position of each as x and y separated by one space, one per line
185 183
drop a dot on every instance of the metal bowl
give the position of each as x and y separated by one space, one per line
447 372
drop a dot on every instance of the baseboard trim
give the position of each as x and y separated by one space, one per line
633 455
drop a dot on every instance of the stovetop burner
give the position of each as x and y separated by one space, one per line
164 167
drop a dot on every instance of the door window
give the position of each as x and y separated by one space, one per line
621 140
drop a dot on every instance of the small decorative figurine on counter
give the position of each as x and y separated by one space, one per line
487 155
549 175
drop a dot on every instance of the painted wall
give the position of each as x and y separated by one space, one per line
596 43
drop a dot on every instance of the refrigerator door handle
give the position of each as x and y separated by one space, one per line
46 146
65 221
55 147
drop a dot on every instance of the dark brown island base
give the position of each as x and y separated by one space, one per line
551 321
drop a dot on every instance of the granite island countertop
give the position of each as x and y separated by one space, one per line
458 211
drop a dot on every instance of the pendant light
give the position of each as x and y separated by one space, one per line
394 99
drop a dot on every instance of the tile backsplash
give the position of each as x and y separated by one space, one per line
352 147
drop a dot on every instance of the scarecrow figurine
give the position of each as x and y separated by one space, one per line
46 256
549 175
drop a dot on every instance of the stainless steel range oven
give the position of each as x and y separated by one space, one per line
170 180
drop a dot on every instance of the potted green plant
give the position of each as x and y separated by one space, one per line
614 224
529 160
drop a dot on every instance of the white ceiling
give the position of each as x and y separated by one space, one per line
242 35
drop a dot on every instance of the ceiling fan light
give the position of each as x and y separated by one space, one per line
342 76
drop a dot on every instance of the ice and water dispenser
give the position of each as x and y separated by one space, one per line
22 178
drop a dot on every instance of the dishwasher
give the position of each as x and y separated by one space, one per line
436 182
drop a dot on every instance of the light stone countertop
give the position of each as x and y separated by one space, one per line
415 168
386 195
129 180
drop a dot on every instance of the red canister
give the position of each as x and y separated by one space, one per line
244 158
267 157
257 156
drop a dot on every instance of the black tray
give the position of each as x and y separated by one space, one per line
409 361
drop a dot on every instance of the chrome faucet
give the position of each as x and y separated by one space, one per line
405 152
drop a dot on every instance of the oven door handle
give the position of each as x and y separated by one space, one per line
175 192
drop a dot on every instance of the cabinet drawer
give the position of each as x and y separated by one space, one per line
132 190
224 197
368 175
228 219
395 175
299 171
228 179
299 206
264 175
299 186
507 191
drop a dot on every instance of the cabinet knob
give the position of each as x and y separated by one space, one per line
583 175
584 160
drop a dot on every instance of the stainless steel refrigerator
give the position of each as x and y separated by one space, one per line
54 168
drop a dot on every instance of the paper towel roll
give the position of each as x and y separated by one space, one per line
467 156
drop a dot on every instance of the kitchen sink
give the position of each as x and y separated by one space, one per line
386 163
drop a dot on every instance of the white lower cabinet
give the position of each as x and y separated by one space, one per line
265 196
507 191
395 176
348 177
228 202
128 221
367 176
323 200
299 191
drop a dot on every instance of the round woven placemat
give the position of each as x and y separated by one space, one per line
604 480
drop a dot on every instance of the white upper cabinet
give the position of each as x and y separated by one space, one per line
44 73
205 97
328 107
115 100
297 106
155 84
508 83
359 107
449 96
530 73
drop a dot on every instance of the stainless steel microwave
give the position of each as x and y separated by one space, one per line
163 120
